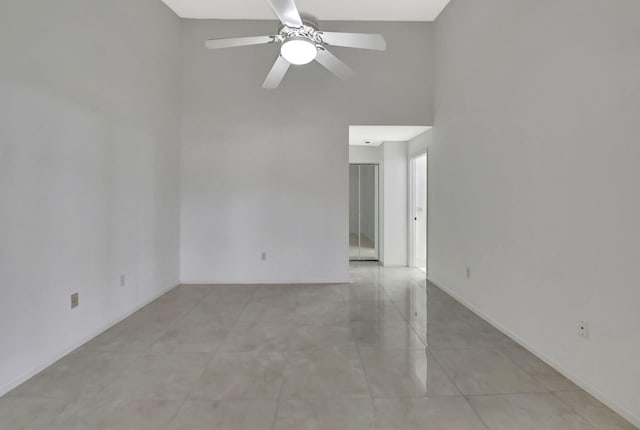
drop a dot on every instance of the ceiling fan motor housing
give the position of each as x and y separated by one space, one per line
308 31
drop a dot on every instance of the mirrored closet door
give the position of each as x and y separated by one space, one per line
363 212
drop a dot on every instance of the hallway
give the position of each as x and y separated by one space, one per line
304 357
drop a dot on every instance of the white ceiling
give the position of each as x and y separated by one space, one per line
359 135
327 10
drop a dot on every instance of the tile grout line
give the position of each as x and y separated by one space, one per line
445 371
366 379
522 368
475 411
575 410
287 357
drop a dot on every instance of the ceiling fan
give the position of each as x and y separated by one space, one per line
302 42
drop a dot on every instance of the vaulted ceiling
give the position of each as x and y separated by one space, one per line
339 10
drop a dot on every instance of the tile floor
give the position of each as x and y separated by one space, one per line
304 357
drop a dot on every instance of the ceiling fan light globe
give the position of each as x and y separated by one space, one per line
299 50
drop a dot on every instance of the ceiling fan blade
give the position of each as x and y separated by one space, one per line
239 41
334 64
355 40
287 12
277 73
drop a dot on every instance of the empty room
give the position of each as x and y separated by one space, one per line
319 215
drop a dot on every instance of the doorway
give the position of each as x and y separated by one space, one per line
363 212
418 212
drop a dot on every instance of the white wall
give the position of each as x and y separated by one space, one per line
365 154
267 170
534 180
395 204
88 171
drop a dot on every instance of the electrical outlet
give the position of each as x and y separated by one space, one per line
123 280
75 300
468 273
583 328
264 256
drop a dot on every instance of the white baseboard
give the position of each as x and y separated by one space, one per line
51 360
622 411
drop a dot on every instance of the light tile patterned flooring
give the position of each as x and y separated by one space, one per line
314 357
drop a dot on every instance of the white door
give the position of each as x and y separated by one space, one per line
419 212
